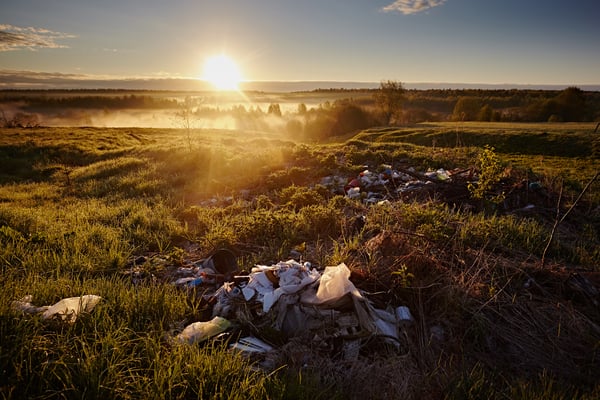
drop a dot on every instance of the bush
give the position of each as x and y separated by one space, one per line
298 197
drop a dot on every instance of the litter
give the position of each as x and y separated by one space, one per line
190 282
251 344
296 300
353 192
67 309
198 332
24 305
291 299
270 283
334 284
71 307
375 187
219 267
439 175
223 262
403 314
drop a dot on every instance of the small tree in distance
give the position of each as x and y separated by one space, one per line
185 118
389 98
274 109
466 109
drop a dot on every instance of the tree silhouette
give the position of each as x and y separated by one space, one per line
274 109
185 118
389 98
466 109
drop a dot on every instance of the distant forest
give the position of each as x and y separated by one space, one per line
339 111
568 105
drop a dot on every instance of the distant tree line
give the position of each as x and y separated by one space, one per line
111 102
568 105
390 104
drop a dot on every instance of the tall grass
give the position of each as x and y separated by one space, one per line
120 350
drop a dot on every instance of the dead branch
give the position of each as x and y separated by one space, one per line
557 222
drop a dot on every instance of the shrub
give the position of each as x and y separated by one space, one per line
298 197
490 173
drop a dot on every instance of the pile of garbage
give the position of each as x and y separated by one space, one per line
291 300
403 182
451 186
388 183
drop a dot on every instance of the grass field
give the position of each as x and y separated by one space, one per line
498 312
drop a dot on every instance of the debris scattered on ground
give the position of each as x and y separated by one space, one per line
251 344
513 193
273 310
389 183
276 303
66 309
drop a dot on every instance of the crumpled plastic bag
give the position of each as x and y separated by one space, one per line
71 307
334 284
291 277
200 331
67 309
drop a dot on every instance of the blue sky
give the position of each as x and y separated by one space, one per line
467 41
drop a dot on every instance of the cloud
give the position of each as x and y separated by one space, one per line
20 79
12 76
29 38
412 6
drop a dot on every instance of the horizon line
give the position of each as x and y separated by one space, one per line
66 82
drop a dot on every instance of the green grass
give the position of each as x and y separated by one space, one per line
120 350
78 204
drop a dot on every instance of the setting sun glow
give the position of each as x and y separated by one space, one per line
222 73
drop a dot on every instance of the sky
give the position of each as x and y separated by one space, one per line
522 42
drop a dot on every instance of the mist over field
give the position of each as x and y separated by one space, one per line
157 109
310 115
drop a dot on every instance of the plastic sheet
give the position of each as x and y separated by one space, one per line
66 309
71 307
333 285
200 331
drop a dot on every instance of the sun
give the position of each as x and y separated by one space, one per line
222 72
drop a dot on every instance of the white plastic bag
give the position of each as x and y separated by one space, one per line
334 284
70 308
67 309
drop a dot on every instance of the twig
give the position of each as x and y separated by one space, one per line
494 297
580 195
402 231
423 287
557 221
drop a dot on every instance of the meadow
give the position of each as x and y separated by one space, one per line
505 299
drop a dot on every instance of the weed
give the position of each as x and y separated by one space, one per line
490 173
405 276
